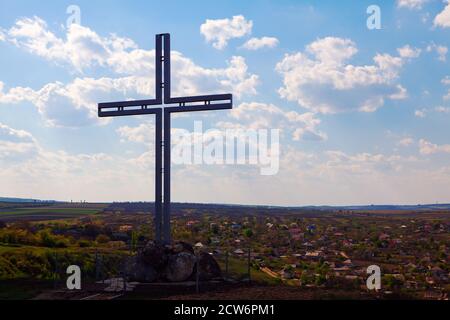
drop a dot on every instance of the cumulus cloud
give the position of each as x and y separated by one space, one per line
443 18
364 163
408 52
362 177
75 104
406 142
220 31
446 82
259 43
255 115
322 80
25 164
411 4
15 144
428 148
442 109
143 133
422 113
252 115
82 47
440 50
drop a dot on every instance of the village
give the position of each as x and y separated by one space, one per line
308 249
334 250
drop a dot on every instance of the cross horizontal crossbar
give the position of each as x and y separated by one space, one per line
128 108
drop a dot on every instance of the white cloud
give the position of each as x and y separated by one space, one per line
259 43
16 145
29 170
321 79
409 52
411 4
144 133
81 49
428 148
2 35
84 48
237 78
405 142
446 82
420 113
251 115
364 163
220 31
15 95
443 18
75 104
362 177
441 109
440 50
256 115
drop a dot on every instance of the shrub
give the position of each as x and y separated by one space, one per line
84 243
102 238
47 239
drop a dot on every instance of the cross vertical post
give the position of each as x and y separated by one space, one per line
163 126
159 144
167 160
158 175
167 128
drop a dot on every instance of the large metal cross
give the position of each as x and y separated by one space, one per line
171 105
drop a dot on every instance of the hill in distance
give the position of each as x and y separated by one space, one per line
418 207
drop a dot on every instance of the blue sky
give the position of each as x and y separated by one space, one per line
363 113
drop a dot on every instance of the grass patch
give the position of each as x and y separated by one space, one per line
37 211
238 269
23 289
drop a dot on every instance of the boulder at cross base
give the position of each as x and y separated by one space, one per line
208 267
142 272
180 267
182 246
154 255
174 263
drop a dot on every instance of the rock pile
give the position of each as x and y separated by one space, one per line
172 263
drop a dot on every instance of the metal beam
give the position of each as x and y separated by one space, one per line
158 177
158 69
207 98
167 163
211 107
122 113
167 68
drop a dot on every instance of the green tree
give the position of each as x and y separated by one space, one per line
248 233
134 240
